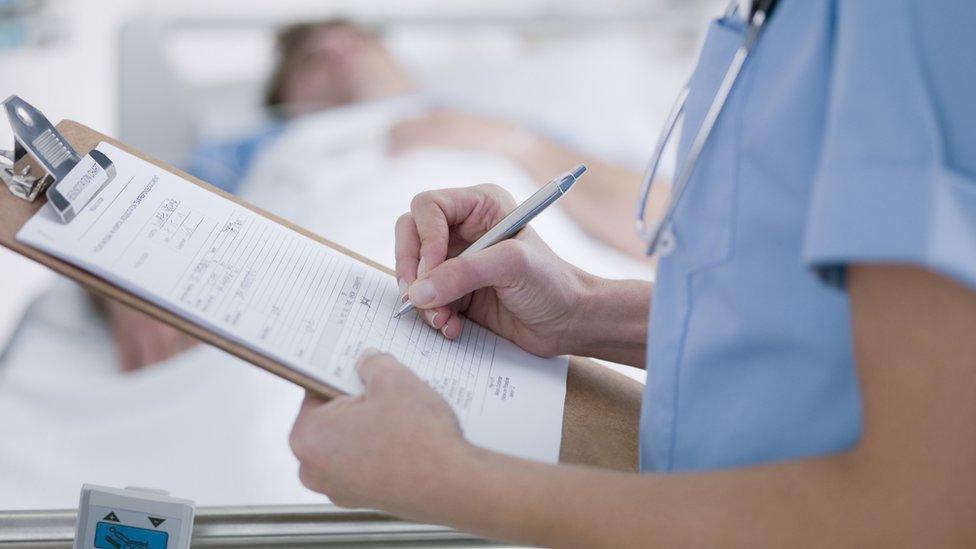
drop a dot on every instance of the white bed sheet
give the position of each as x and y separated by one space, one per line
331 173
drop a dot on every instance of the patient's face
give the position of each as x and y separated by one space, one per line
338 66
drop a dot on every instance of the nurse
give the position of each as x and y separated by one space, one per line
811 344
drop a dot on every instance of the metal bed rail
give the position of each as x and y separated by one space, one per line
255 526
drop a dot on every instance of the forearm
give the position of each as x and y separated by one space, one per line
831 501
611 321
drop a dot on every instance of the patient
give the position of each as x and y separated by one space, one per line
335 64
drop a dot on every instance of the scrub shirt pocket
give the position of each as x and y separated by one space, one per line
703 221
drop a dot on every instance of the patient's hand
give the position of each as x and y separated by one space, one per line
141 340
451 129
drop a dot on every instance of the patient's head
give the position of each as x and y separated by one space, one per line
332 63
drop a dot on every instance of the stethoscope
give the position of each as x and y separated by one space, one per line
659 235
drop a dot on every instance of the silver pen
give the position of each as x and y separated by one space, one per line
512 223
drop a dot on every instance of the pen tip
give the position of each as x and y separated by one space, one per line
579 171
406 306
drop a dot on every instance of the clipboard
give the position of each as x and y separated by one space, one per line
602 407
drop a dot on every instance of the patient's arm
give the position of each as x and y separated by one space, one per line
141 340
602 203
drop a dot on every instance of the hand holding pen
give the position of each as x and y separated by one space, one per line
514 222
516 287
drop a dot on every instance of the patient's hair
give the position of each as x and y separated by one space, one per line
289 43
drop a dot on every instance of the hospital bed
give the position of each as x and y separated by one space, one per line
171 96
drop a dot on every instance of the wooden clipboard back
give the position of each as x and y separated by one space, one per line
600 421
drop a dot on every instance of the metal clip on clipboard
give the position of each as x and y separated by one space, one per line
69 180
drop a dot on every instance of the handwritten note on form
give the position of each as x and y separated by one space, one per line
297 301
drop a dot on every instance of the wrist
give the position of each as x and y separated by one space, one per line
462 491
504 498
482 495
611 320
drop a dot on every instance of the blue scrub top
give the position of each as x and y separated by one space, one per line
849 138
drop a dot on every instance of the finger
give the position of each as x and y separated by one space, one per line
433 229
175 342
452 328
172 342
143 336
140 352
437 317
495 203
407 251
501 265
372 363
152 345
128 352
188 341
471 211
384 377
180 340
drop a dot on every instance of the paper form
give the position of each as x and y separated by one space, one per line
297 301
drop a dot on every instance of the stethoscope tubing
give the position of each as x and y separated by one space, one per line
659 236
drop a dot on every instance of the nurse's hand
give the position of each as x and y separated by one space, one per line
390 448
517 288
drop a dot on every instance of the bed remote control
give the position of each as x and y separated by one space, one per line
132 518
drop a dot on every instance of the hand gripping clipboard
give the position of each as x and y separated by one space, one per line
600 419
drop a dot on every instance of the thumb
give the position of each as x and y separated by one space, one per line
372 363
501 265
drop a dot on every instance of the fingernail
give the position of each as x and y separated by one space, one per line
444 331
369 351
422 267
402 284
431 316
422 292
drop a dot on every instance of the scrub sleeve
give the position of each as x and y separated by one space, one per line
897 176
